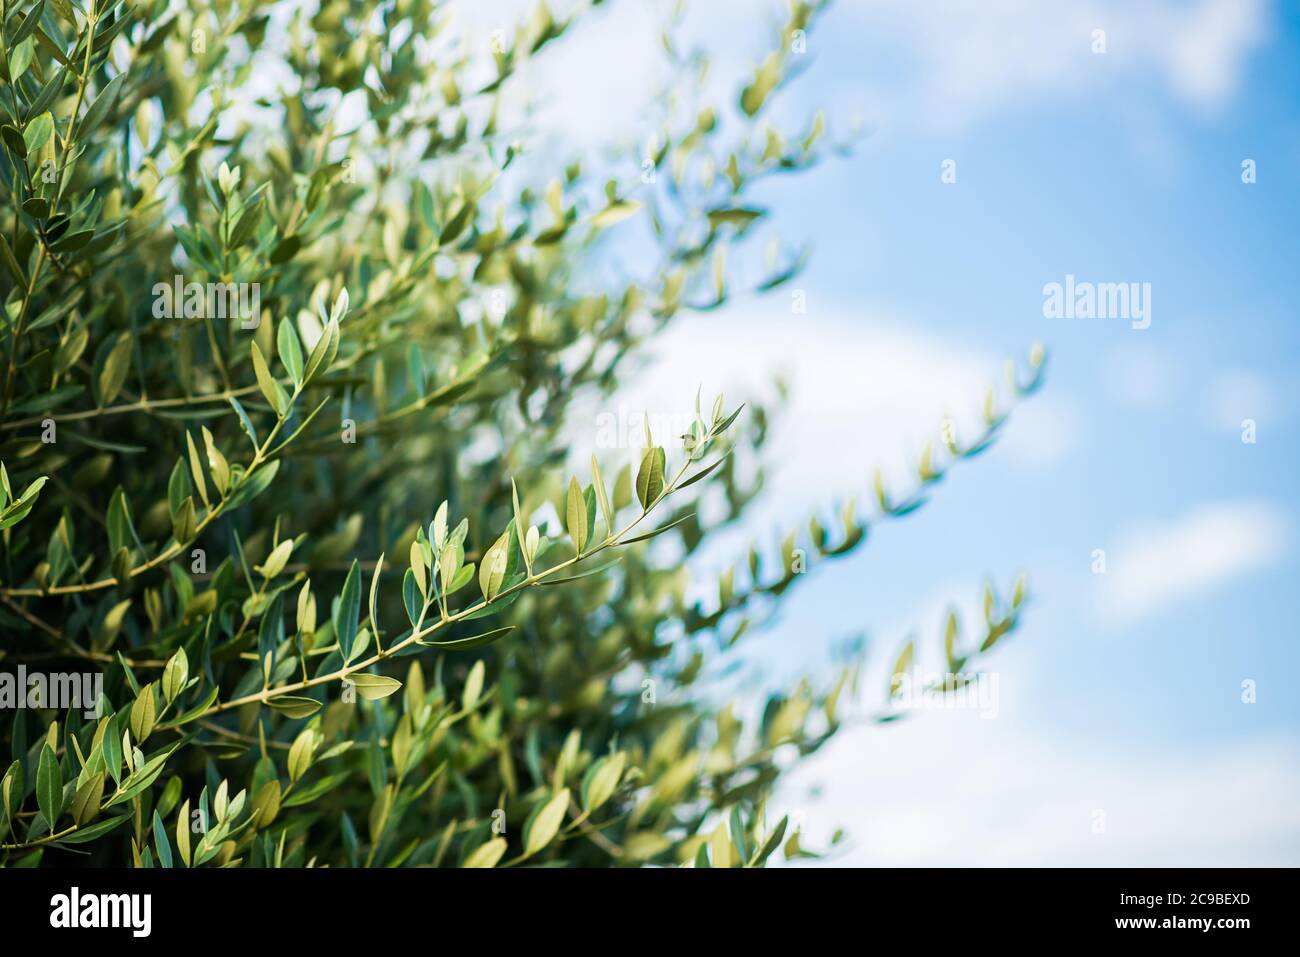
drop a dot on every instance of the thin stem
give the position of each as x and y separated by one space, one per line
267 694
21 325
260 457
143 405
43 840
76 650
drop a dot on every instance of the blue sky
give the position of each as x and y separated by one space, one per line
1122 694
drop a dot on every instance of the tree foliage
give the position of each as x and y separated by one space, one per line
285 414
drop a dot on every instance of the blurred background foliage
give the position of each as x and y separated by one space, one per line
195 502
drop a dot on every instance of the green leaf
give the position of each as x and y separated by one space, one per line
739 834
739 216
602 497
197 711
183 832
12 789
266 804
584 574
473 687
85 835
701 474
245 422
144 714
456 224
20 58
111 626
601 780
772 843
374 687
184 525
492 571
29 24
121 533
311 792
196 467
14 140
440 527
901 666
175 674
348 615
322 355
464 644
650 477
290 349
143 777
272 390
487 855
414 597
285 250
113 375
720 845
160 841
276 561
293 706
544 823
449 564
112 748
250 488
374 595
658 531
49 786
104 102
37 133
521 529
301 752
15 270
576 515
72 241
615 212
725 424
462 579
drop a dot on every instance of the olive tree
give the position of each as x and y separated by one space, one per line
293 331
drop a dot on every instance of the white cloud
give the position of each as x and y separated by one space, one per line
591 87
963 60
863 392
1203 56
953 789
1155 566
938 66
